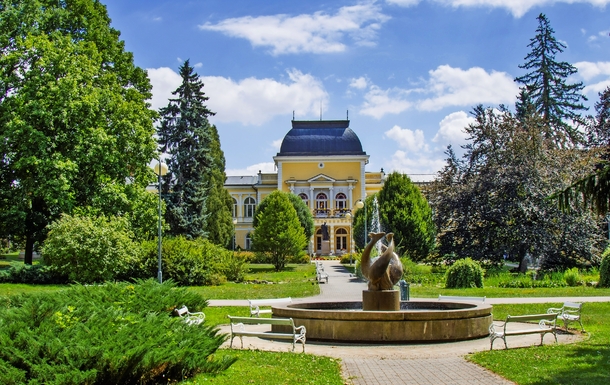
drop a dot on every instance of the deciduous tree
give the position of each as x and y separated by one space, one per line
75 124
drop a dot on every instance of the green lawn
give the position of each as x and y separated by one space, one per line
585 362
498 292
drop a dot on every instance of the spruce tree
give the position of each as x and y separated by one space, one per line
555 100
185 135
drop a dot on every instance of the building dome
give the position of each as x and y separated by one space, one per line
320 137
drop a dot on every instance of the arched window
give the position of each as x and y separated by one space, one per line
321 201
305 198
249 207
319 240
340 202
248 242
234 208
341 240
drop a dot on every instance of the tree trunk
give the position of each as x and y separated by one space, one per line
29 249
522 260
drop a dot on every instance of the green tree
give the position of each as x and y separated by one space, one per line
303 213
219 203
278 233
404 211
74 117
185 134
557 101
495 199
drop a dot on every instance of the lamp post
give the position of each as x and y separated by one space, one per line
160 170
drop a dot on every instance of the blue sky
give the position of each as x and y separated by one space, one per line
408 71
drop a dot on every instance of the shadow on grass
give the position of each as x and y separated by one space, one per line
268 269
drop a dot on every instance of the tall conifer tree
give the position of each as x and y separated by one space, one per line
186 135
555 100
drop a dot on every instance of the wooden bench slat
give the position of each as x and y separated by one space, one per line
546 324
238 329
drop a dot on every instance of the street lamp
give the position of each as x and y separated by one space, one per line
160 170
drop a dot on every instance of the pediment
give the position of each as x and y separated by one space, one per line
321 178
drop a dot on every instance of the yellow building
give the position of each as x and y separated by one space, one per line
322 162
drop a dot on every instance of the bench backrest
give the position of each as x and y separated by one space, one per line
573 306
182 311
460 298
256 321
268 302
532 317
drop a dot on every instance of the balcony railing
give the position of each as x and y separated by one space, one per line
328 213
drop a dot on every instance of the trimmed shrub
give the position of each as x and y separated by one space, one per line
604 270
191 262
91 250
18 272
109 334
464 273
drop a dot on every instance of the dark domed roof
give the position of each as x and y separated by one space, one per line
321 137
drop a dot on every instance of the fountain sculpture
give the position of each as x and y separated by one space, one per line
381 316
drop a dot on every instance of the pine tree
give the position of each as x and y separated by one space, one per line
185 135
555 100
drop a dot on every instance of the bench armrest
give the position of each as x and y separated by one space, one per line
554 310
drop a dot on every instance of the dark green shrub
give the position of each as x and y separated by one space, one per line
464 273
190 262
109 334
18 272
89 249
604 270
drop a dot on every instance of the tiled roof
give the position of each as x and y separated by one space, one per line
321 137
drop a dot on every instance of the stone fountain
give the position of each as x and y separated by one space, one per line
381 317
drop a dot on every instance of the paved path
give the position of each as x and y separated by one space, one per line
420 364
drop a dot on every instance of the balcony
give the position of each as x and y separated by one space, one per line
328 213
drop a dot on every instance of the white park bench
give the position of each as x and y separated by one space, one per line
460 298
190 318
546 323
255 305
321 275
239 329
569 312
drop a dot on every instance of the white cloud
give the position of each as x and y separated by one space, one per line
407 139
358 83
315 33
589 70
451 129
164 81
276 144
418 167
378 102
596 88
250 101
517 7
267 167
198 65
457 87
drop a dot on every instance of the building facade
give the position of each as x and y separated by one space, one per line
323 163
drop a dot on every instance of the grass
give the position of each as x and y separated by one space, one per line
295 281
497 292
255 367
585 362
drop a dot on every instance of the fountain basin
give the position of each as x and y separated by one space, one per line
416 321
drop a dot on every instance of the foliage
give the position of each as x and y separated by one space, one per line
91 250
464 273
404 211
109 334
219 203
595 187
37 274
303 213
74 115
191 262
572 277
278 232
552 97
494 200
604 270
185 135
